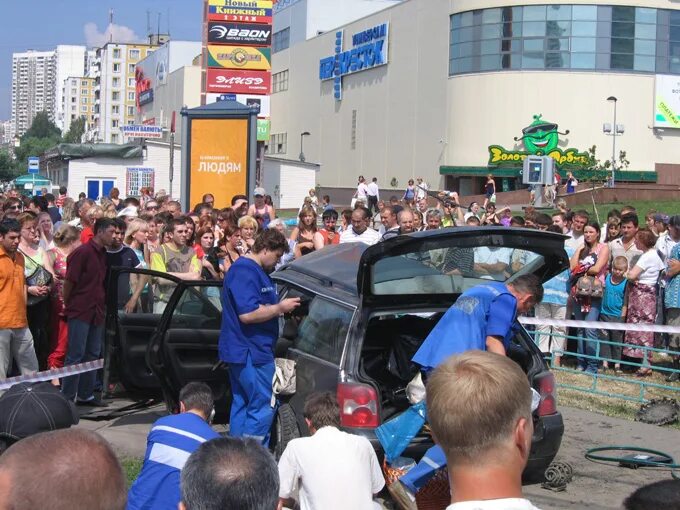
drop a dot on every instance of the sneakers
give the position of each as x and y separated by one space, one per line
403 497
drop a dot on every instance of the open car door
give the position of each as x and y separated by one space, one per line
433 265
184 347
130 327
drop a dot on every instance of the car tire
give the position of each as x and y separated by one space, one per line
285 429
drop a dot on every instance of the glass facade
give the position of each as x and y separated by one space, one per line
580 37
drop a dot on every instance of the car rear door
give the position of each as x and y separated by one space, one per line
432 266
315 337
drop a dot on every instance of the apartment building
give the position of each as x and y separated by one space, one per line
78 101
69 61
33 87
114 92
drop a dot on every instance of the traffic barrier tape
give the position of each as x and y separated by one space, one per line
80 368
616 326
48 375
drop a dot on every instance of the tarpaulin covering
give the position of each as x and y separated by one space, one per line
91 150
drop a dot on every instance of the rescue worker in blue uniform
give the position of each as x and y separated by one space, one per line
482 318
170 442
250 329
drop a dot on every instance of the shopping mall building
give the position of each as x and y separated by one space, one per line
452 90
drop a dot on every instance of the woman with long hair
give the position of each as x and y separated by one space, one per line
205 241
642 280
66 239
68 210
39 275
305 236
137 238
45 231
114 196
409 194
219 259
588 271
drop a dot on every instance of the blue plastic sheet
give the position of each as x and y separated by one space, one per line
396 434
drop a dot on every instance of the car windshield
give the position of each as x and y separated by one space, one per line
451 270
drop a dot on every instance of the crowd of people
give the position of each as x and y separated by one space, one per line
55 258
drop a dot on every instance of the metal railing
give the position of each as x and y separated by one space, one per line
625 385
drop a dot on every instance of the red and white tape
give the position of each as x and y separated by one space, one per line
55 373
616 326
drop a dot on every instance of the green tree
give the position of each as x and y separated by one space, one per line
8 168
76 131
42 127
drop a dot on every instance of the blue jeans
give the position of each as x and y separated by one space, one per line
84 344
418 476
251 405
590 346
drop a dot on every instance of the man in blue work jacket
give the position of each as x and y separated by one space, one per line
171 440
250 328
482 318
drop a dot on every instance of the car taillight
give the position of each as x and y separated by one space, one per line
546 388
358 405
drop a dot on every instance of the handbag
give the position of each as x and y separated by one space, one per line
285 379
589 286
41 277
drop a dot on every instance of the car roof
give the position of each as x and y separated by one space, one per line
335 265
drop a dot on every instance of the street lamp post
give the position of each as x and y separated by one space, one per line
614 133
302 138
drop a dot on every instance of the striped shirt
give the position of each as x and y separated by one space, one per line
171 440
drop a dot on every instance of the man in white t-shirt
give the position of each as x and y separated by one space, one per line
373 193
486 447
578 223
331 469
358 231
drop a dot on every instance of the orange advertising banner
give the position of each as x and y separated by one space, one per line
219 159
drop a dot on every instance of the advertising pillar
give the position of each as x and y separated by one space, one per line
219 150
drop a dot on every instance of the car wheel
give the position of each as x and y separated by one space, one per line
285 429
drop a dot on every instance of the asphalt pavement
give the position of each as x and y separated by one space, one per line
595 486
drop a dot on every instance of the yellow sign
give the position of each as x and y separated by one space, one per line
239 57
219 159
242 4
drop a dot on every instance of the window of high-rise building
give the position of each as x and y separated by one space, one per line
131 69
83 83
115 96
134 54
131 96
116 53
130 110
115 82
116 68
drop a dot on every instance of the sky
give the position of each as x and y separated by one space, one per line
43 24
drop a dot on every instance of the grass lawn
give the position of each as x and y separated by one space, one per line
670 208
131 467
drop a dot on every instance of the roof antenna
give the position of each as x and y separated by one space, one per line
149 33
111 24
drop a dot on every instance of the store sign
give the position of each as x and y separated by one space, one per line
222 81
239 57
220 13
240 33
667 101
540 138
263 129
145 97
142 131
369 50
143 90
245 4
